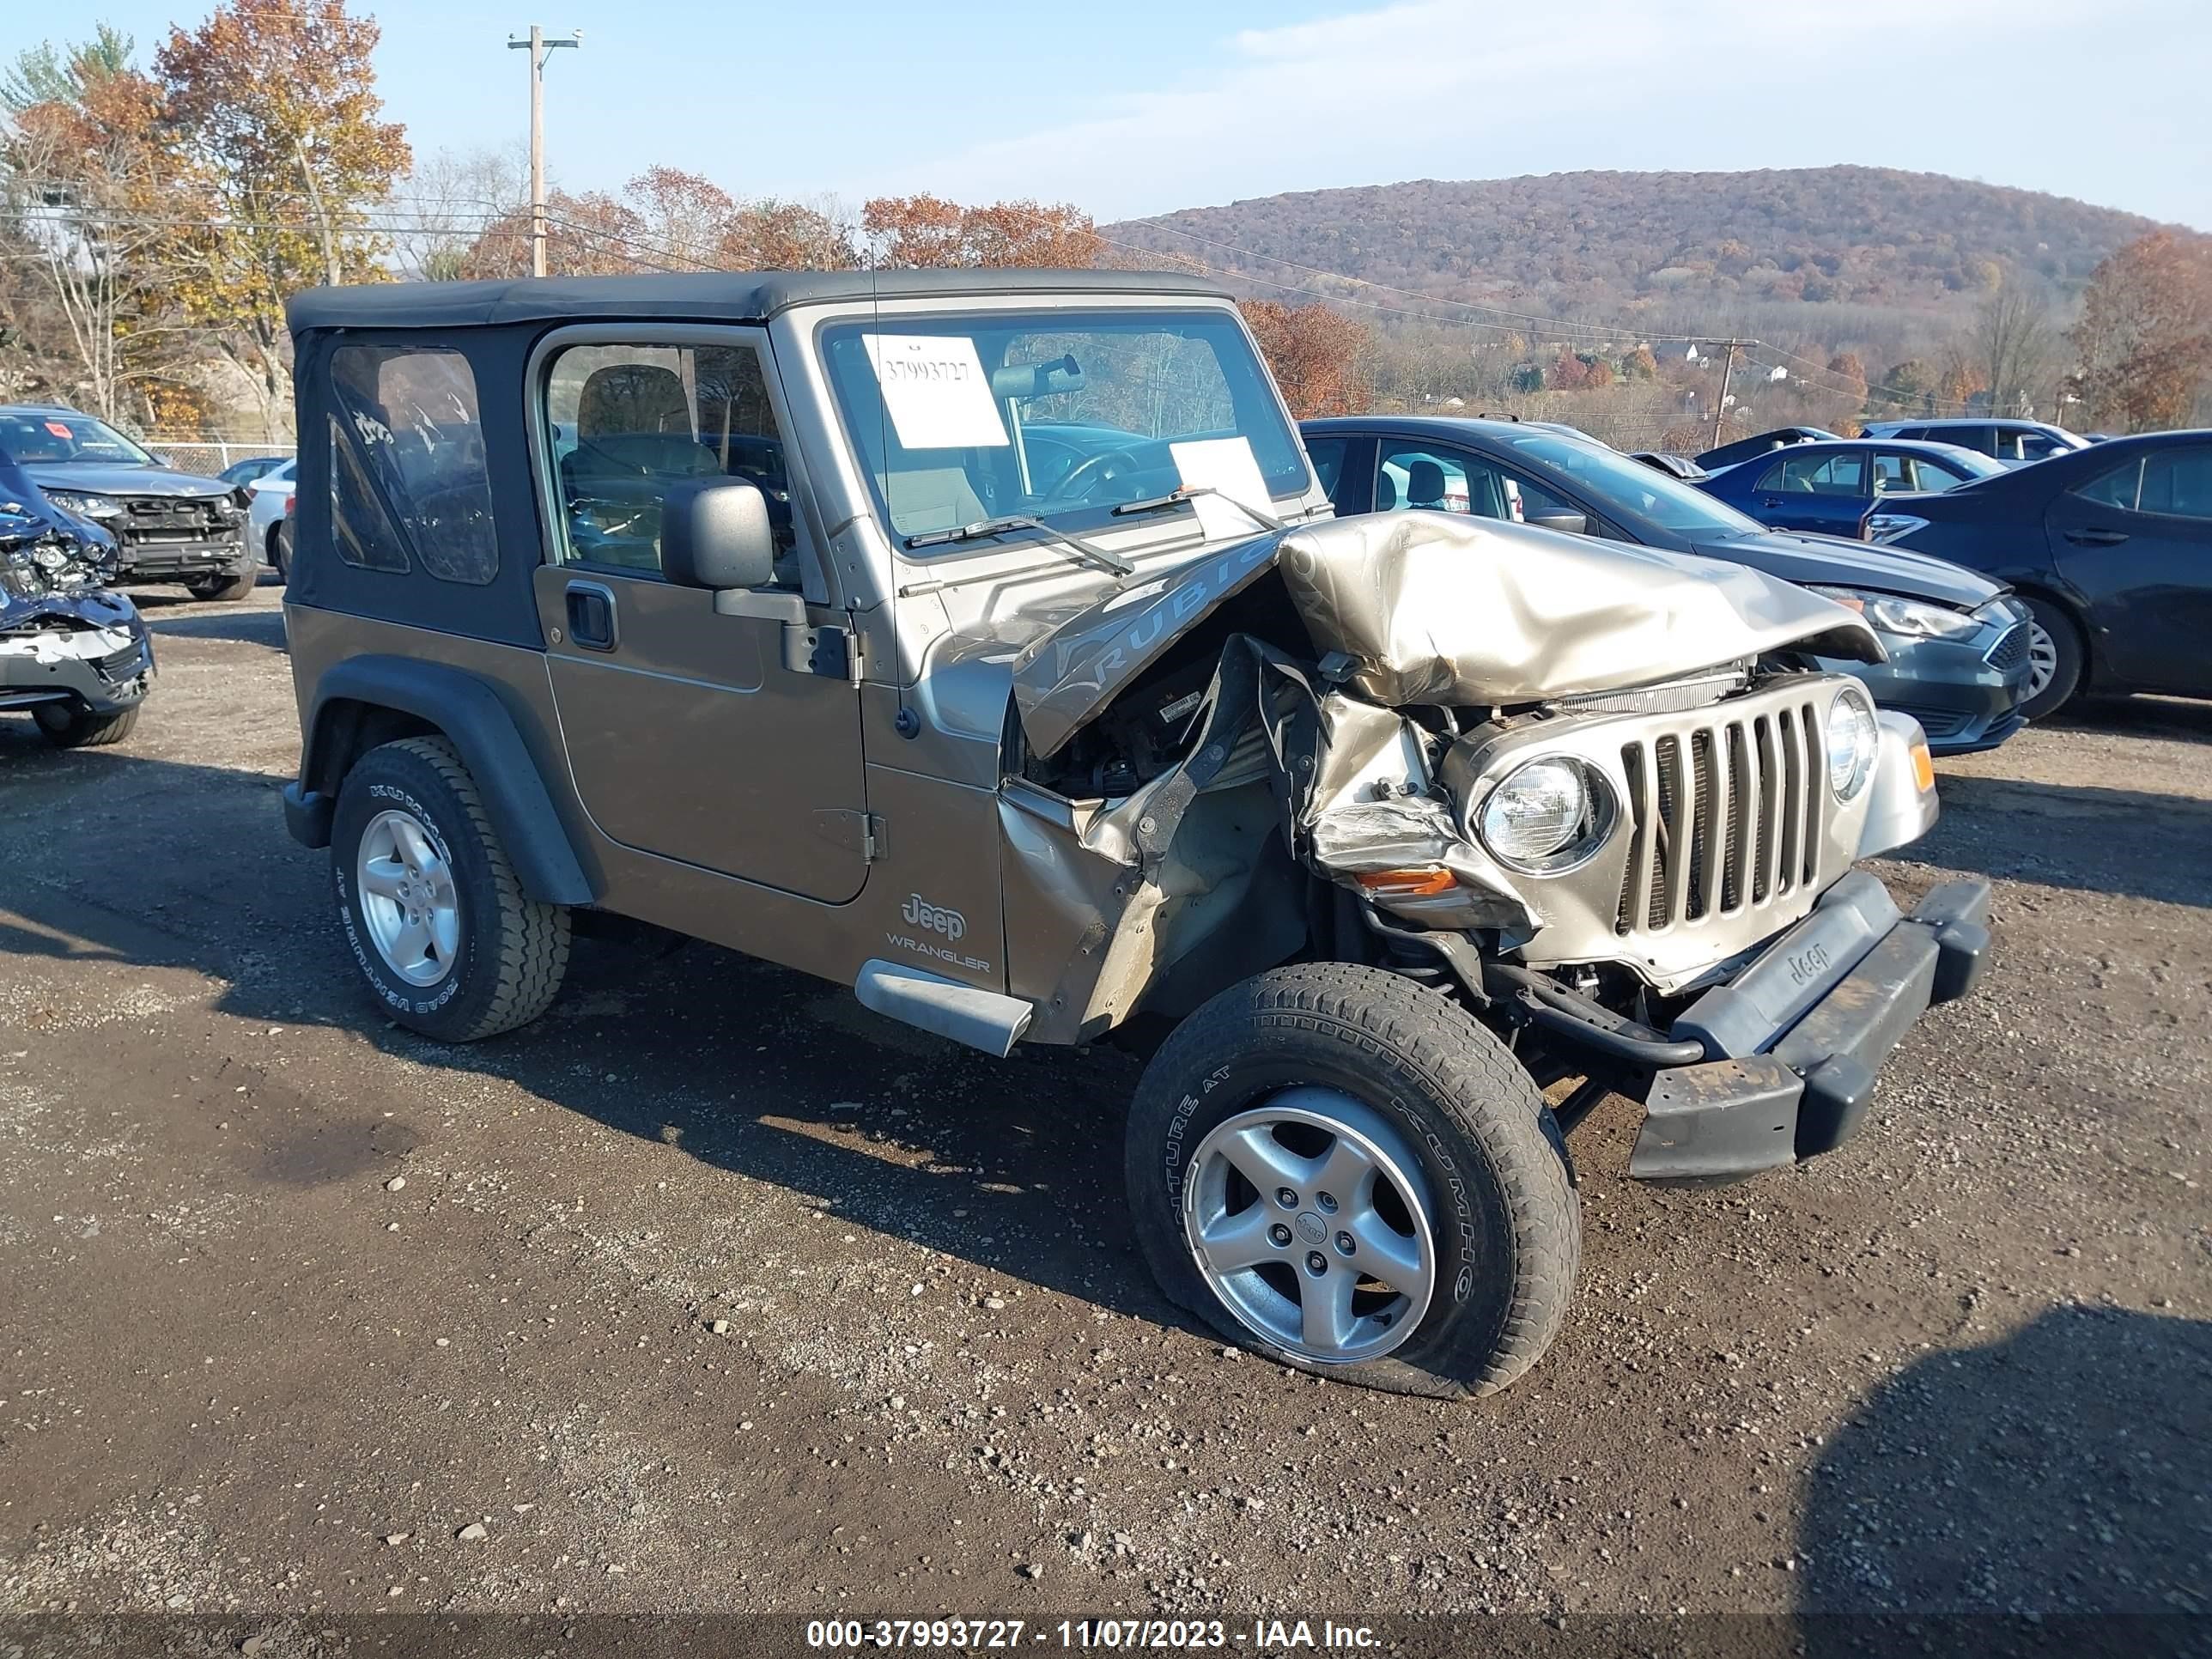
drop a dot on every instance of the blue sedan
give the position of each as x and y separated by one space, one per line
1831 487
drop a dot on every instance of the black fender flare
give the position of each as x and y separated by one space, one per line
470 711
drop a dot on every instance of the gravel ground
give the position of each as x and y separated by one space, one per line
714 1292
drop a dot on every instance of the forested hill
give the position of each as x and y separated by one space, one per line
1851 235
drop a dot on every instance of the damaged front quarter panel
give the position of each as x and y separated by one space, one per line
1103 898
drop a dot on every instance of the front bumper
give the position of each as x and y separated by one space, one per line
103 670
1793 1041
1965 693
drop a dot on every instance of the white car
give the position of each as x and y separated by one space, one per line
268 520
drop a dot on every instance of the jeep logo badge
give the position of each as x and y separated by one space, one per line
920 913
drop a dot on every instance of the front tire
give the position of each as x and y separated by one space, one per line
435 918
67 725
224 589
1344 1171
280 555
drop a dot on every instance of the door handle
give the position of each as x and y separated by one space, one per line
2095 538
1770 500
591 609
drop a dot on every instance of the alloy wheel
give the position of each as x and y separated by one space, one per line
1308 1216
2041 660
408 898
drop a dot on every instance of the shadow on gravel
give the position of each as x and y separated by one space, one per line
2139 717
2060 1475
2132 842
246 627
1014 1166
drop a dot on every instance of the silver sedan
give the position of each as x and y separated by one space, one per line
268 520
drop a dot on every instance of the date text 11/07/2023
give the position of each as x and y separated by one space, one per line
1261 1636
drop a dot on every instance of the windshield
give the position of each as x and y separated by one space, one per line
1059 417
52 435
1627 487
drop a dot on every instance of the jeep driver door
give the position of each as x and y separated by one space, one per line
719 730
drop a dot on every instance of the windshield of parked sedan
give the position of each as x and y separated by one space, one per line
1057 416
1634 490
49 436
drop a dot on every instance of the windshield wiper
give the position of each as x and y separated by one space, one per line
985 527
1191 492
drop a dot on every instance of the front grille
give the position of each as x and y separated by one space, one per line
155 518
2011 649
1723 816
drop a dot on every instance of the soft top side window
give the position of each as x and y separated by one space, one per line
408 479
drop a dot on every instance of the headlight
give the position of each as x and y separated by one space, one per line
1546 815
1853 740
1910 617
89 506
1890 527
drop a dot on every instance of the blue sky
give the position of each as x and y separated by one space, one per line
1146 104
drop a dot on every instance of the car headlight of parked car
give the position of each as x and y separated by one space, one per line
1853 742
85 506
1546 815
1889 526
1914 618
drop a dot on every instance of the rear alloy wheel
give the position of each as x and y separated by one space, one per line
1344 1171
2055 660
437 920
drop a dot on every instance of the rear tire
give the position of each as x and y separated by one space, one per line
485 957
280 555
69 726
224 589
1330 1062
2060 656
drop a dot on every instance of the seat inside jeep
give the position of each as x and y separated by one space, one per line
633 440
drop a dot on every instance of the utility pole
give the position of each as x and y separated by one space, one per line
1727 369
538 46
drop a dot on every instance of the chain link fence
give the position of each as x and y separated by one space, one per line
206 457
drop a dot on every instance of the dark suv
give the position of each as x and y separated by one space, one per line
168 526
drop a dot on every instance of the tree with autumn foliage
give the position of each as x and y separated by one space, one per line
87 189
1315 354
271 106
2144 340
921 232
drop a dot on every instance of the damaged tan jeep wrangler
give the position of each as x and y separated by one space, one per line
982 640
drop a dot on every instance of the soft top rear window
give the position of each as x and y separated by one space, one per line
408 479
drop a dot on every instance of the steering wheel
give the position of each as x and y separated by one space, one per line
1083 479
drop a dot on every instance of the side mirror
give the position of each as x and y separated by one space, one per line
1569 524
715 533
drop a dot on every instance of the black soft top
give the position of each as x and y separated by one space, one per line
718 296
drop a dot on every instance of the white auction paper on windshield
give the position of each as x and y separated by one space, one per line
1228 466
936 392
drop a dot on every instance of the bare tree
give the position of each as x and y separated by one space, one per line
2014 346
447 203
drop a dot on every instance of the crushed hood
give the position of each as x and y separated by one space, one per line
50 563
1439 608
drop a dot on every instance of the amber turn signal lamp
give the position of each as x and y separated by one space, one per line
1407 884
1923 767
